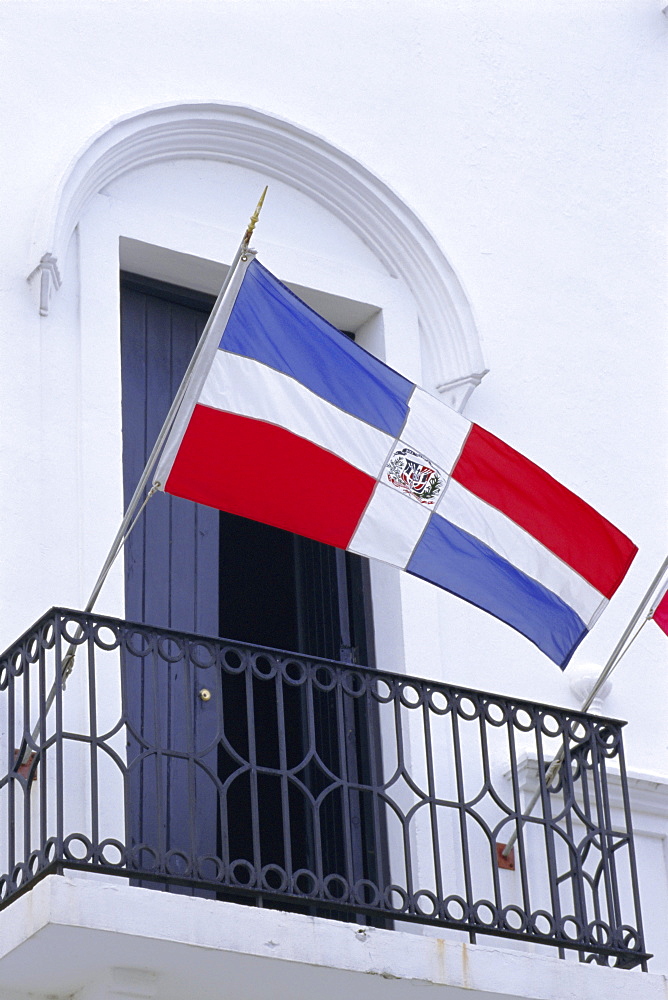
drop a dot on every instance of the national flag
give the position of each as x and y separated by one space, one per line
289 422
660 613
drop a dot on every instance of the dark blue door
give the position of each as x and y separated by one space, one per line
172 581
194 570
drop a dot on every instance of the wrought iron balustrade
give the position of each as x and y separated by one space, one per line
219 768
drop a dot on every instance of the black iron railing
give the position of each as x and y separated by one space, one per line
219 768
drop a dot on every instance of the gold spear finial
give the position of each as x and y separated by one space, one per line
253 219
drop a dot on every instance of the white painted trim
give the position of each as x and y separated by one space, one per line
281 150
457 391
49 280
648 795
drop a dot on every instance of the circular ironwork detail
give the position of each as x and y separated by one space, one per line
77 838
47 636
35 862
410 695
17 663
477 909
359 892
353 684
495 713
376 690
396 890
233 661
550 725
599 933
21 874
454 900
301 874
51 850
144 639
195 657
523 720
562 931
534 927
178 864
81 630
242 866
579 730
461 701
513 926
417 900
263 666
217 866
293 672
278 885
164 642
136 858
111 844
32 649
339 880
608 739
324 678
98 636
627 937
438 701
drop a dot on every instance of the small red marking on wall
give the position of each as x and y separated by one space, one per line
504 861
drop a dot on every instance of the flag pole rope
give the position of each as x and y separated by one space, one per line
131 517
618 652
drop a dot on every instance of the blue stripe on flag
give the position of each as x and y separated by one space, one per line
271 325
465 566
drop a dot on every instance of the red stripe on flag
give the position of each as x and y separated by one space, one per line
265 473
563 522
660 615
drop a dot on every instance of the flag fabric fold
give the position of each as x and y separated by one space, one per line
291 423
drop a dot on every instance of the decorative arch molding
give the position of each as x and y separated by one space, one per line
281 150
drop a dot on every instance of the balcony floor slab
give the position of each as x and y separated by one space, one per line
81 936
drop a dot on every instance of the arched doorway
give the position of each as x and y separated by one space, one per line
159 185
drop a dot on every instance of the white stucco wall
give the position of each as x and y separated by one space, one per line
529 137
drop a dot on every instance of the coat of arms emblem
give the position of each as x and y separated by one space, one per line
412 473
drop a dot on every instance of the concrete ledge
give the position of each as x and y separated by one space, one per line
81 936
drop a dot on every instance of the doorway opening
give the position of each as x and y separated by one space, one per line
201 571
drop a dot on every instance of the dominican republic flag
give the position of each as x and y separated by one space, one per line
288 422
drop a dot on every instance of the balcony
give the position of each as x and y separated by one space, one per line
236 772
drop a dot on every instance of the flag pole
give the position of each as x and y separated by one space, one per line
130 518
616 655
